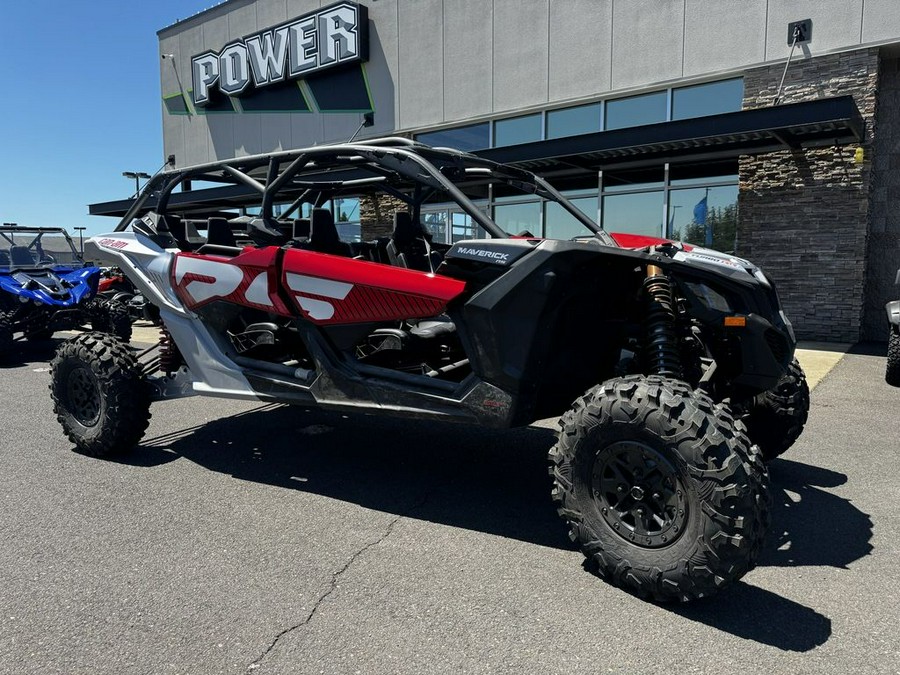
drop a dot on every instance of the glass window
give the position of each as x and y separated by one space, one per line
346 210
704 216
463 227
636 110
636 179
560 224
435 222
517 130
584 119
516 218
707 99
636 213
349 231
472 137
704 173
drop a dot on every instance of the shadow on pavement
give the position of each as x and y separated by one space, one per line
25 353
496 482
471 477
809 525
756 614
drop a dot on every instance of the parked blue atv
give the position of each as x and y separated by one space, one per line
45 287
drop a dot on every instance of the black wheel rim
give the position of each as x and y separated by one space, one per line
640 494
83 395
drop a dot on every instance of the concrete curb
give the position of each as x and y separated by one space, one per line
819 358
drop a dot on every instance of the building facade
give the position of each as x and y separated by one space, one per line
675 118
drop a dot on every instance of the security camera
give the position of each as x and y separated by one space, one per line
166 56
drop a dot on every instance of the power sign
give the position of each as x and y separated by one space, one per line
332 36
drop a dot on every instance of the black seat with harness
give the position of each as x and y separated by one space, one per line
410 245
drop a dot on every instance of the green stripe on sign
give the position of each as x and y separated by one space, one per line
176 104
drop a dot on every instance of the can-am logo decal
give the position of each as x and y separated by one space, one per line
332 36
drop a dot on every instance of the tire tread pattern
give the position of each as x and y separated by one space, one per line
722 467
892 369
777 419
125 412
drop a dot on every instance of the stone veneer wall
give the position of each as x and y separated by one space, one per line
804 214
884 203
376 215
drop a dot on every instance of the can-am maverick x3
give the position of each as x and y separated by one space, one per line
677 359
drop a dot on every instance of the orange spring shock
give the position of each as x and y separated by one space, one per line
661 352
170 358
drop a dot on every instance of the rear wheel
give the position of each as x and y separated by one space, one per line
99 396
6 333
777 417
892 371
660 488
111 316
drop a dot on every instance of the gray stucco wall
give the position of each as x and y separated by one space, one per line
441 62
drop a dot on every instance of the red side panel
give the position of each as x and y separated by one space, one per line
640 241
330 289
249 279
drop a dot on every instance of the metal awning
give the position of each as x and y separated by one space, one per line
825 122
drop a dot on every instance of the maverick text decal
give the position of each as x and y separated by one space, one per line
334 35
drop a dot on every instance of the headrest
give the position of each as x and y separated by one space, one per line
405 231
302 228
323 229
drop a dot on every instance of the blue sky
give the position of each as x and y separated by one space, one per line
79 104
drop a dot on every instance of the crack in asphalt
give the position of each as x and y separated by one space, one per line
333 584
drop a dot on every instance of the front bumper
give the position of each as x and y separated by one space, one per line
893 312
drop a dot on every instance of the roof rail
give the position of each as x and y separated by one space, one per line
389 141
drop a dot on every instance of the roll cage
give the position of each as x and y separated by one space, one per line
406 170
21 247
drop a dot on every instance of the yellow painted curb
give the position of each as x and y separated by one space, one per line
818 359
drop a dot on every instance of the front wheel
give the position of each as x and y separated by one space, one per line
99 396
892 370
660 487
777 417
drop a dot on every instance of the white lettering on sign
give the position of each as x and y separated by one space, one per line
331 36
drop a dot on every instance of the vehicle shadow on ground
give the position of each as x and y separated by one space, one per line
471 477
25 353
811 526
496 482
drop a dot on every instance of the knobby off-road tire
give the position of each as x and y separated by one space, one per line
111 316
892 370
660 487
6 334
99 396
778 416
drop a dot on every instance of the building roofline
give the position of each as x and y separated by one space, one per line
180 22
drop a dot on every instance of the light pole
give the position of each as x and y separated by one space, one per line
80 231
137 175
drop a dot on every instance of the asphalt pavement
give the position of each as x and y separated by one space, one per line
248 538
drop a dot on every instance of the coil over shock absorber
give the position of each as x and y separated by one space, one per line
661 353
170 358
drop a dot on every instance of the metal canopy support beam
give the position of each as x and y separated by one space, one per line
808 124
825 122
